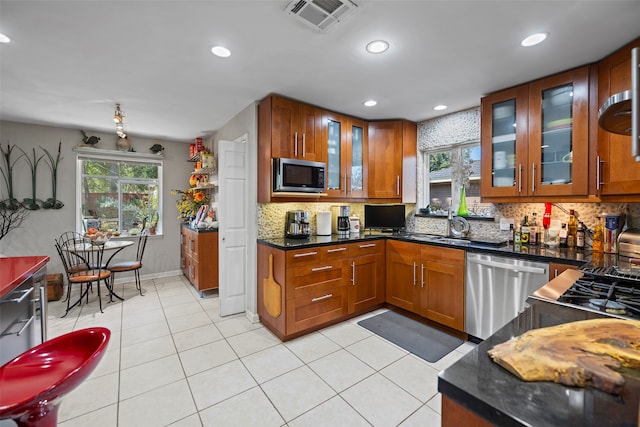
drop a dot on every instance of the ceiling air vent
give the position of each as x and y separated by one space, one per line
320 14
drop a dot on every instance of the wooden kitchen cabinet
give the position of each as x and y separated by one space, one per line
534 138
346 142
617 173
392 160
367 284
427 280
199 257
403 261
442 287
320 285
295 130
289 129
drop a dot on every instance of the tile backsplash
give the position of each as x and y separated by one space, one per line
271 216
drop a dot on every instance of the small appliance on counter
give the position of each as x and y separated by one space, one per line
629 243
297 225
323 223
341 225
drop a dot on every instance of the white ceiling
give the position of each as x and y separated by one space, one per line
69 62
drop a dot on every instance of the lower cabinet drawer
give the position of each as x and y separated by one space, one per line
315 309
315 278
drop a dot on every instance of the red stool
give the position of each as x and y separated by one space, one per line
33 384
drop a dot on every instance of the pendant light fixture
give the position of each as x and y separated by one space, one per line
118 119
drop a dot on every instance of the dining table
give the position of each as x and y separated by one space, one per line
114 246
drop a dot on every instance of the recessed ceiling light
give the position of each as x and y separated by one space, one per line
220 51
377 46
370 103
440 107
534 39
4 38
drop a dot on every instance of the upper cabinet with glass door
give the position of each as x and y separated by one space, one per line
533 135
559 134
346 144
504 143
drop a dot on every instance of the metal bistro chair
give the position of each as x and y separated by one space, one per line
132 265
83 264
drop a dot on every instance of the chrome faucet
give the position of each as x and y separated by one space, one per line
449 222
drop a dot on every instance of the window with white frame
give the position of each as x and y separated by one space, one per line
119 193
446 171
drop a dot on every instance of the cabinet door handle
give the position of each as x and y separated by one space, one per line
635 103
353 273
326 267
519 177
414 273
295 144
598 178
397 185
336 250
370 245
25 293
555 272
422 274
345 184
321 298
305 254
533 178
26 325
303 146
349 189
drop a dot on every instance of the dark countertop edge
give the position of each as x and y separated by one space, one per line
200 230
476 404
566 257
292 244
21 268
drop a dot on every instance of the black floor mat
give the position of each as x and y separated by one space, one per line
424 341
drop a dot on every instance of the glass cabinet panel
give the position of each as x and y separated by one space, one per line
357 163
333 154
503 143
556 135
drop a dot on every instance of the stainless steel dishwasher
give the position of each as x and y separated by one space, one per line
496 288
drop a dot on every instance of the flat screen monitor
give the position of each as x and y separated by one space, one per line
387 218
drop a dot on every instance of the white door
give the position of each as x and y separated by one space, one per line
232 235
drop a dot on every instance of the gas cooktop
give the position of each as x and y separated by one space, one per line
611 290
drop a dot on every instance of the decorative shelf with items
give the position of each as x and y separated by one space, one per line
203 179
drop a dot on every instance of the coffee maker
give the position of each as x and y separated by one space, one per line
341 224
297 225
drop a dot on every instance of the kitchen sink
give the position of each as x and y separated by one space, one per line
437 238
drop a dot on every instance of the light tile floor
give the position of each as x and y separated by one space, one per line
172 360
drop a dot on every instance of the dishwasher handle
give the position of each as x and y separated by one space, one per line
507 266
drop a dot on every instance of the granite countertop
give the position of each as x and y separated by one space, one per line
200 230
482 386
15 270
530 252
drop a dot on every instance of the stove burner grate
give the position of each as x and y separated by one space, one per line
612 297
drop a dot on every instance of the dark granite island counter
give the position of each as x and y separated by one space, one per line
478 392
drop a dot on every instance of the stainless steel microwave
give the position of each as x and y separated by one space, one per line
298 175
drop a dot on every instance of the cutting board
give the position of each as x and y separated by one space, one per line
587 353
272 292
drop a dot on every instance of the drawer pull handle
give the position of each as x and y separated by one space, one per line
25 293
326 267
321 298
26 325
337 250
370 245
305 254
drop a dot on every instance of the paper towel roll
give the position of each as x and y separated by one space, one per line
323 223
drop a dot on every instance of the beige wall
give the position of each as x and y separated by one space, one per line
36 236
